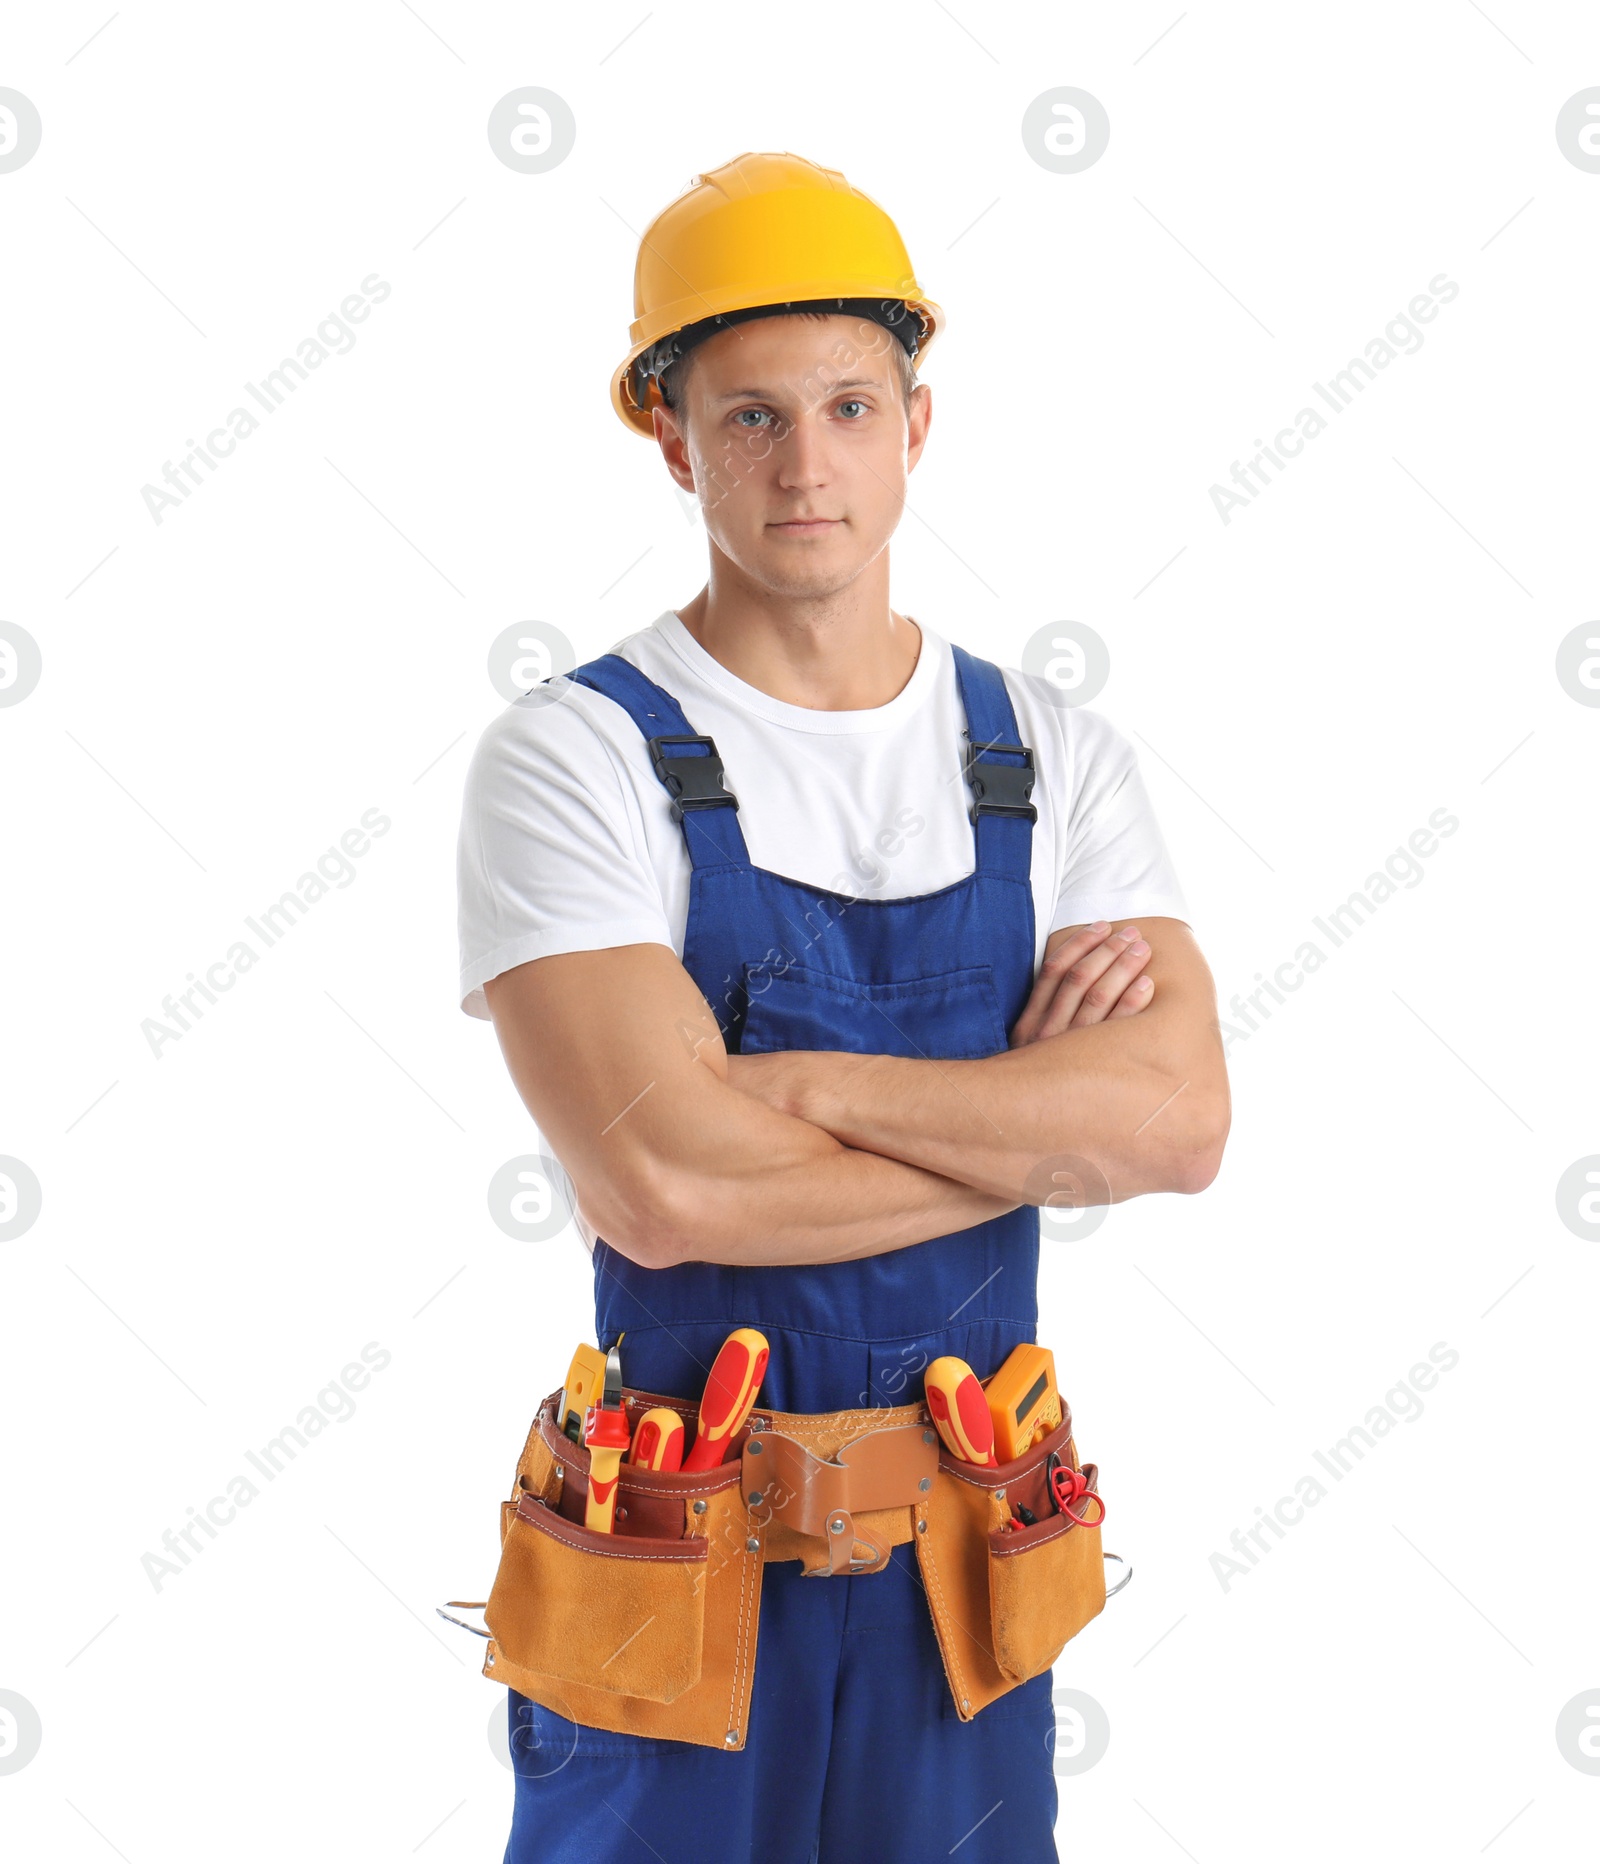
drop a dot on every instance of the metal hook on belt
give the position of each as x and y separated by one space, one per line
843 1541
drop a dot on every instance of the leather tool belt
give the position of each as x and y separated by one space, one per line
652 1628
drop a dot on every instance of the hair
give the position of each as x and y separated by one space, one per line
672 379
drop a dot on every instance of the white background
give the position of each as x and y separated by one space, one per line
305 1171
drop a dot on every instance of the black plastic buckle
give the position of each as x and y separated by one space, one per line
695 782
1000 789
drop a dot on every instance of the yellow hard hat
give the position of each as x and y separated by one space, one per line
764 230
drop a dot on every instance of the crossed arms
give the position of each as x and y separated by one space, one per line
680 1152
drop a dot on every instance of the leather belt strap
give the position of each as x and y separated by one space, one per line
789 1485
865 1468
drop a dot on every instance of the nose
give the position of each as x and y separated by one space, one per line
802 454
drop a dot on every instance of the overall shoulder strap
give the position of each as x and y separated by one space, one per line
686 763
998 768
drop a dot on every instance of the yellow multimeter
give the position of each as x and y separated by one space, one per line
1023 1400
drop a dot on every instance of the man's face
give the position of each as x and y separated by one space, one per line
795 436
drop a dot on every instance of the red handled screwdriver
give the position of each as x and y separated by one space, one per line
731 1389
605 1431
959 1407
658 1440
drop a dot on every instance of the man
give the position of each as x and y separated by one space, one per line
819 1011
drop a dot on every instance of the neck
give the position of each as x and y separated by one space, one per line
845 651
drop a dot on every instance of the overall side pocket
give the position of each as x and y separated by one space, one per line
618 1612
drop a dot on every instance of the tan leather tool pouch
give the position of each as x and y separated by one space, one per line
649 1629
1005 1602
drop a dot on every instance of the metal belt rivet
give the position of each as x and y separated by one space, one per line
490 1664
965 1704
835 1527
699 1507
731 1738
925 1484
752 1545
999 1495
927 1436
756 1498
754 1448
922 1527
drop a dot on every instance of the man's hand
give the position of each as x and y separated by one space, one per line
1086 978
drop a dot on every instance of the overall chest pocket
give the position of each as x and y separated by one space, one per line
951 1016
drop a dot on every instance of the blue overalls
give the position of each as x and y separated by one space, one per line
854 1749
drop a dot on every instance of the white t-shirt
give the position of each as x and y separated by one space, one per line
567 840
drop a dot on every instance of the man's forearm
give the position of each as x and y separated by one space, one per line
746 1183
999 1123
835 1207
669 1162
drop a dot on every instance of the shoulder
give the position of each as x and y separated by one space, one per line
550 727
1092 745
558 726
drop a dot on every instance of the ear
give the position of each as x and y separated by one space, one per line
674 446
918 420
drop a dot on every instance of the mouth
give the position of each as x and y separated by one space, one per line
805 527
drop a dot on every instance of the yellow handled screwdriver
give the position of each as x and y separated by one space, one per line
959 1409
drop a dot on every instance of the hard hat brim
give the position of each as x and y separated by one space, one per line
668 320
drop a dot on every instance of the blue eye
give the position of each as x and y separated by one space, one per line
744 411
852 403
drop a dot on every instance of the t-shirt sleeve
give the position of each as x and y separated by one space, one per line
1115 864
547 859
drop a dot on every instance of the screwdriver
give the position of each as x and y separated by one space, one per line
658 1440
960 1409
731 1387
605 1432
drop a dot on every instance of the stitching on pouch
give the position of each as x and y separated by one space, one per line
1008 1553
972 1482
606 1553
611 1553
707 1488
639 1488
1000 1482
842 1420
946 1644
736 1707
966 1629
